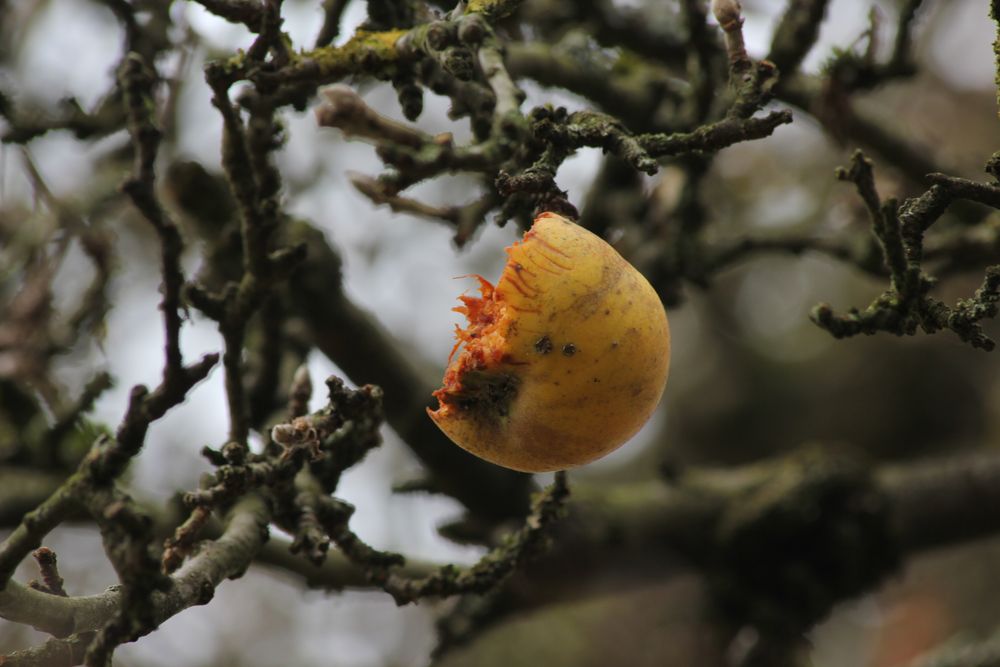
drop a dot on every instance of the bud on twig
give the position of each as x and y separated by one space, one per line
346 110
300 392
730 17
728 13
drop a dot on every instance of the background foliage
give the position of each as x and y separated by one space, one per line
195 229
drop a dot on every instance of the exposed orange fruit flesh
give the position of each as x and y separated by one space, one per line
482 342
562 361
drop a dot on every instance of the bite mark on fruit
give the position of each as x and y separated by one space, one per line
487 393
471 381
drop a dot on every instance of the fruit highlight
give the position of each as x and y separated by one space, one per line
562 361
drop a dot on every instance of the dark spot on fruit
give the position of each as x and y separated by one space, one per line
569 349
607 311
543 345
486 393
614 344
596 380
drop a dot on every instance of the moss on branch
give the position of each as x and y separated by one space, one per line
907 305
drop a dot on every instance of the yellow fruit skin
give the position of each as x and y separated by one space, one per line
585 355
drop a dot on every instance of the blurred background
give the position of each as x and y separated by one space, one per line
751 375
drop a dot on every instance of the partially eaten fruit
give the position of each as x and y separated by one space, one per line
561 362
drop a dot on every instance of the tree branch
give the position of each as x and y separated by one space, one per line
194 584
